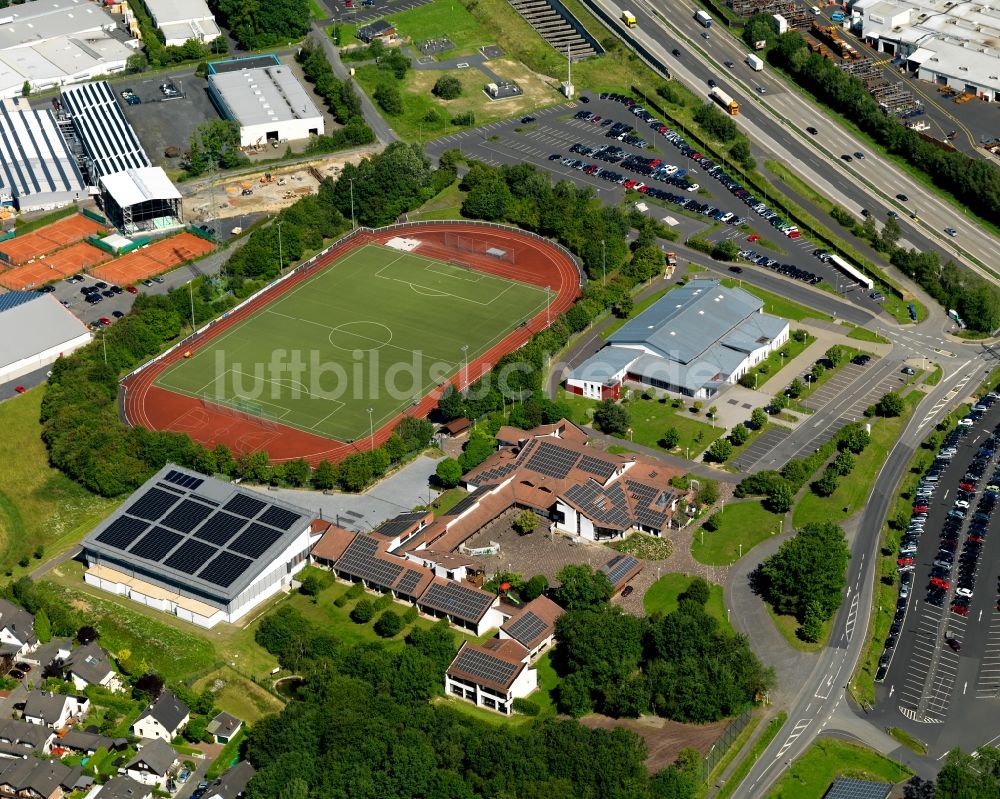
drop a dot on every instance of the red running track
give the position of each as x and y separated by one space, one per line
536 261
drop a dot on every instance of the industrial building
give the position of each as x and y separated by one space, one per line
181 20
945 43
36 330
37 170
54 42
266 101
693 341
199 548
137 199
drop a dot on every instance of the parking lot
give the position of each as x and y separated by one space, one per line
162 121
767 441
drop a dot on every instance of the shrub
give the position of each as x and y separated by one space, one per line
363 612
720 451
739 435
526 707
448 87
340 601
389 624
355 591
712 523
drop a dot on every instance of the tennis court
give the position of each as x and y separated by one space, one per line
353 346
160 256
62 263
21 249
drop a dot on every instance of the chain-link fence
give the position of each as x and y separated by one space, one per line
726 740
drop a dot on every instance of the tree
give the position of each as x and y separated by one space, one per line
363 612
720 451
624 307
451 404
708 493
447 87
725 250
698 591
389 99
739 435
86 634
534 588
297 472
796 388
809 567
526 522
671 438
195 730
311 585
837 355
43 627
843 464
449 472
812 623
610 417
324 476
582 588
759 28
891 233
135 63
740 152
826 484
389 624
816 371
779 499
149 686
489 199
890 405
26 88
853 437
758 418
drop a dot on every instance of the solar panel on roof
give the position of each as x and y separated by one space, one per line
486 667
457 600
153 504
255 540
156 544
184 480
552 460
601 468
465 503
224 569
526 628
220 528
279 517
845 788
409 582
190 556
122 532
245 506
618 567
186 516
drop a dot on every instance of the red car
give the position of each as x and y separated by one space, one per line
940 582
965 485
920 508
976 538
795 235
905 562
20 389
753 237
104 321
131 289
961 610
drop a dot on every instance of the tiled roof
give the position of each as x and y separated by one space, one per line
534 622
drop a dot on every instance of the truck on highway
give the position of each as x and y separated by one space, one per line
728 103
756 62
628 18
703 18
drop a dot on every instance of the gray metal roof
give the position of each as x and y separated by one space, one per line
45 706
42 20
31 327
606 363
688 320
124 788
34 158
110 143
267 94
90 662
158 755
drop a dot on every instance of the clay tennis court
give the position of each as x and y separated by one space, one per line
62 263
21 249
535 261
158 257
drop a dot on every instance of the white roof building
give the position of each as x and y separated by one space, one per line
268 103
35 330
37 170
138 195
180 20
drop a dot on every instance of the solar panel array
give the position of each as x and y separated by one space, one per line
484 666
400 524
552 460
526 628
171 528
469 604
618 568
467 502
600 506
495 474
408 584
845 788
602 468
360 560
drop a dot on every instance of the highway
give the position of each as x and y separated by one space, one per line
776 123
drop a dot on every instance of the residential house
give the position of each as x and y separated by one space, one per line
121 788
492 675
620 569
232 784
90 664
86 742
224 727
533 626
19 739
31 778
54 710
56 652
152 763
17 630
164 719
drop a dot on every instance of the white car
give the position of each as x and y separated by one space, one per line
961 503
693 187
966 422
966 592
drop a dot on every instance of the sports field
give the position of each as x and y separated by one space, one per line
378 329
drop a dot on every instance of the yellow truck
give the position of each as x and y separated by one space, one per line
628 18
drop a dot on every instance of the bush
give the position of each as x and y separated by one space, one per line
389 99
311 585
890 405
826 484
526 707
448 87
671 438
341 601
610 417
739 435
389 624
355 591
712 523
363 612
720 451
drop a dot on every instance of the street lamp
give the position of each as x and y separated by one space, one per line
604 265
465 365
281 259
548 302
371 429
352 203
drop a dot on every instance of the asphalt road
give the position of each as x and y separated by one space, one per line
775 122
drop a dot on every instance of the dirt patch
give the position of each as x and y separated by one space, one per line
79 604
664 739
224 198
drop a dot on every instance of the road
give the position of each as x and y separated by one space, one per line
776 123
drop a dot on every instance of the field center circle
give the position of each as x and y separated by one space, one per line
363 335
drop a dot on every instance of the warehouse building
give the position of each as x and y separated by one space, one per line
945 43
202 549
109 142
37 170
267 102
181 20
140 199
35 330
53 42
693 341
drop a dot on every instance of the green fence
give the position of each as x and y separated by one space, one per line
101 244
202 234
726 740
95 216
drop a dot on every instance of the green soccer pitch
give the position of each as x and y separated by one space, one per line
378 329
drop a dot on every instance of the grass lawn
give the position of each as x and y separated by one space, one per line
776 360
778 305
446 205
741 771
447 500
907 740
864 334
651 418
548 681
934 377
661 597
810 776
853 490
374 298
239 696
316 11
788 626
440 18
39 506
743 524
229 756
639 308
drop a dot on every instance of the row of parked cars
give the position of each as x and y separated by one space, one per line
789 270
